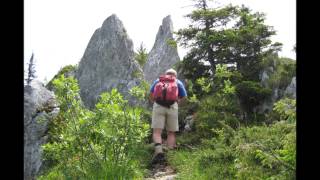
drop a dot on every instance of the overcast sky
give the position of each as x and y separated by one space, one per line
58 31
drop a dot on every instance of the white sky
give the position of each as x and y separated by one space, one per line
58 31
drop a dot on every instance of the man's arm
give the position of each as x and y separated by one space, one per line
182 93
151 91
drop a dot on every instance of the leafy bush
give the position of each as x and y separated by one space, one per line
105 143
284 109
63 71
251 94
188 108
219 108
141 91
172 43
266 152
224 78
213 111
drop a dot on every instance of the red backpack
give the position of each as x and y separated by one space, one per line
166 90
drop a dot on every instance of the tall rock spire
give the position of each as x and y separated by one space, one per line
108 62
164 54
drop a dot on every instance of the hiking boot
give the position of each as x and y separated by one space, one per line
158 156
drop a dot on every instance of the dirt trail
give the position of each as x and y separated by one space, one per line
161 170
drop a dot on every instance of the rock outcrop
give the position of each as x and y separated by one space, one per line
39 108
277 92
108 62
188 121
291 90
265 76
164 54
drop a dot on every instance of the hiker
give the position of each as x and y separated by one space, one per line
165 108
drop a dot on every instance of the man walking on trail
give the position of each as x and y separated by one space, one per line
166 93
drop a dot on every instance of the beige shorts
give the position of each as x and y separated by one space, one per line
165 117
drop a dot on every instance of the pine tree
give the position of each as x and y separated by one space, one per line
141 55
31 70
225 35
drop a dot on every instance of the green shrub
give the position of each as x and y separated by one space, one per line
266 152
221 107
172 43
258 152
137 74
105 143
284 109
62 71
214 110
251 94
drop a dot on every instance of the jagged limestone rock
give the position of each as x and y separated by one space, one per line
164 53
277 92
189 121
108 62
291 90
265 75
39 108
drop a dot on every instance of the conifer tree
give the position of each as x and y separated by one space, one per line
31 70
225 35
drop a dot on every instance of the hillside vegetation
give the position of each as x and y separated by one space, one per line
230 138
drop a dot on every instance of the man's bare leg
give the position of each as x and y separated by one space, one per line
171 139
